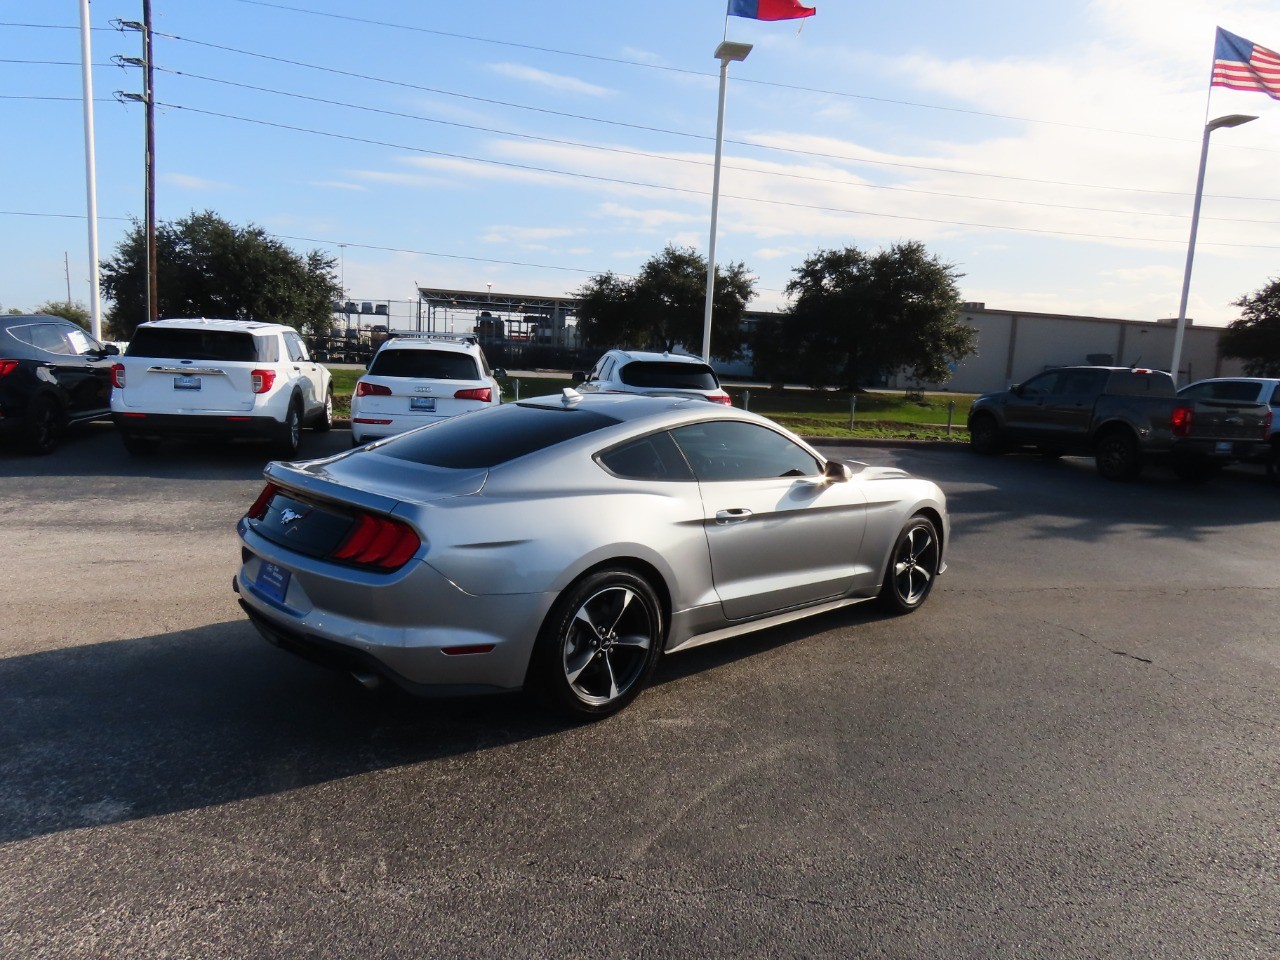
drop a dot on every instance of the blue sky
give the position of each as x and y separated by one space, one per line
1048 151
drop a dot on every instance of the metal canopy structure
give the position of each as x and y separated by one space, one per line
445 310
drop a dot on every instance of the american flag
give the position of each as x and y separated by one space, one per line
1242 65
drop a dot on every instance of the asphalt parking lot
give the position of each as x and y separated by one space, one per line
1071 751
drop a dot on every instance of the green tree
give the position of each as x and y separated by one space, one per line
76 312
1255 337
210 268
856 317
664 305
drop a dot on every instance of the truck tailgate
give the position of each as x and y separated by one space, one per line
1230 420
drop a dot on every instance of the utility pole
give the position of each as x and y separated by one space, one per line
147 98
90 174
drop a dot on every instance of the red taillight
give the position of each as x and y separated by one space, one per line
259 508
8 366
720 398
478 393
1266 428
378 542
1180 421
263 380
117 375
371 389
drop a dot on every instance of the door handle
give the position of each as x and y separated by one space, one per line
735 515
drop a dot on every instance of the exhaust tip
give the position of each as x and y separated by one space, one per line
367 679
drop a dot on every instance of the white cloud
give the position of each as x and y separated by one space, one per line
190 182
553 81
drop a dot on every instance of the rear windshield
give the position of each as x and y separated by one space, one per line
673 376
490 437
229 346
425 365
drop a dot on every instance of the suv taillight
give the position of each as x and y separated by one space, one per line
371 389
117 375
1266 428
259 508
7 367
263 380
720 398
476 393
1180 421
378 542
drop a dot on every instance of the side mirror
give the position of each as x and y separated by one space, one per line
1016 389
499 371
110 350
579 377
837 472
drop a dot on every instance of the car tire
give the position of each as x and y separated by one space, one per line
139 446
290 437
913 567
598 646
1273 462
984 435
325 423
45 425
1117 457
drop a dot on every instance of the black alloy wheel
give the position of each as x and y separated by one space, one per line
984 435
45 425
913 566
599 645
1117 456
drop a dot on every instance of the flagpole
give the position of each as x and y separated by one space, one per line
726 52
90 174
1233 120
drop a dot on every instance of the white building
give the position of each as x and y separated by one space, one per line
1013 345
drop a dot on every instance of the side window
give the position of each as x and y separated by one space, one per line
297 349
81 342
1275 395
732 450
1042 385
606 368
268 348
1201 391
1082 381
655 457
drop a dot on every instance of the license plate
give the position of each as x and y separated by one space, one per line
1225 446
186 383
423 403
273 581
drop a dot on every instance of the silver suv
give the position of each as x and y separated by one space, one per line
421 378
669 374
199 378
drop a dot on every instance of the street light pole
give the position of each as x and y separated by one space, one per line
1233 120
727 51
90 176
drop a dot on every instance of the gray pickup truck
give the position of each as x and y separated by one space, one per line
1124 417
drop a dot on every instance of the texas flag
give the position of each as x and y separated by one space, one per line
770 9
1241 64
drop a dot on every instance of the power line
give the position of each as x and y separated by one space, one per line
700 73
687 190
685 134
647 155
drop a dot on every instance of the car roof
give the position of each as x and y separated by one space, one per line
1235 380
626 407
653 356
428 343
14 318
205 323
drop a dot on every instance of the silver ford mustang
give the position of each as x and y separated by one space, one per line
563 544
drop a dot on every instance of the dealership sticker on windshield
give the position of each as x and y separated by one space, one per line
186 383
273 581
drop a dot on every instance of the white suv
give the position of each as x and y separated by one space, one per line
199 378
421 378
669 374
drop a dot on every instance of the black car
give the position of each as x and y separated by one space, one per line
52 374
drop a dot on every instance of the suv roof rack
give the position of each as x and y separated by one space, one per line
419 335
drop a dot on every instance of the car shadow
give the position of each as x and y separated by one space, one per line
95 450
130 729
